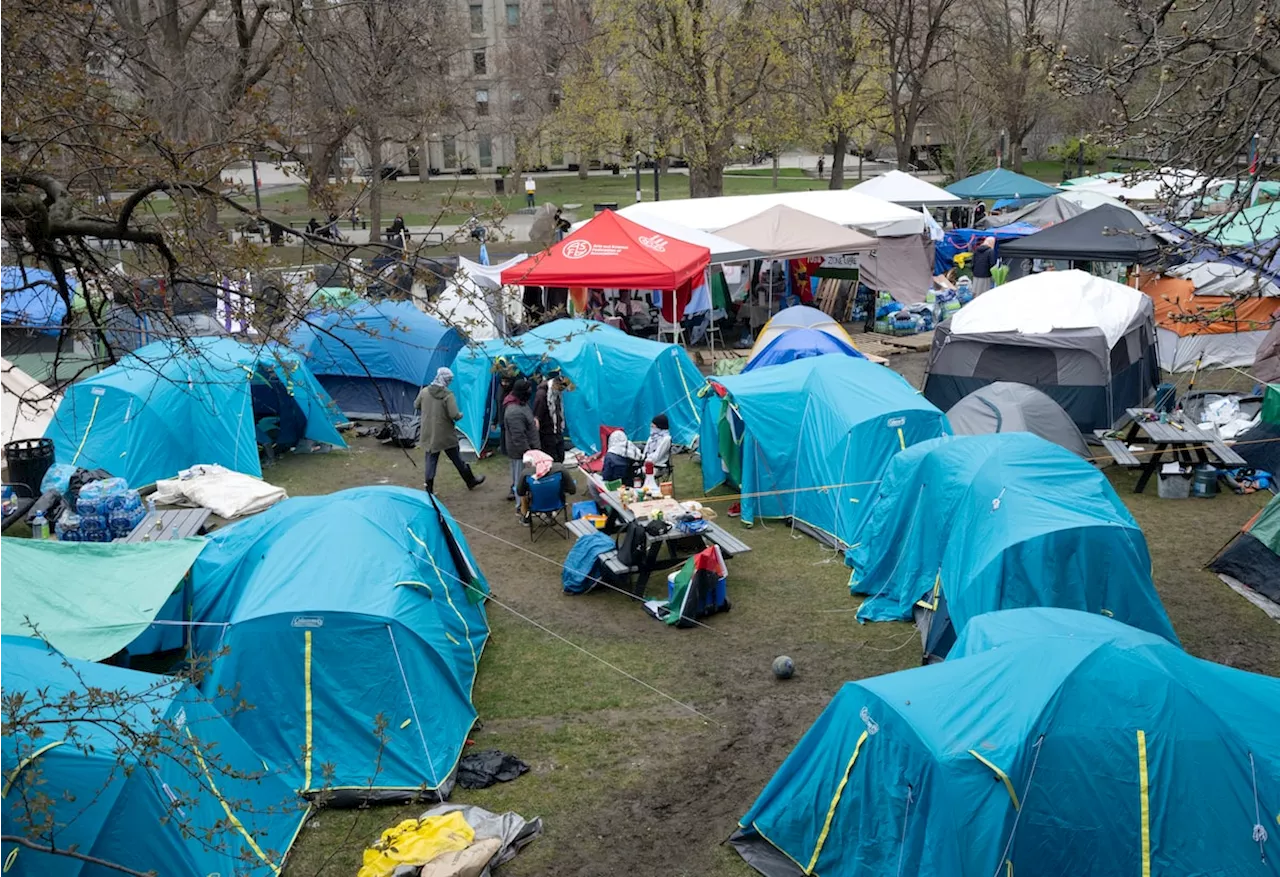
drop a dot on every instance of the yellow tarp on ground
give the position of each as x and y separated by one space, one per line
416 842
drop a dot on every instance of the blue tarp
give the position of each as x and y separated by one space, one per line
1051 742
1001 521
373 358
998 184
831 422
31 299
618 380
173 404
796 344
364 604
116 792
959 240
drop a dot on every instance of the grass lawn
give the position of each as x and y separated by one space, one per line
631 781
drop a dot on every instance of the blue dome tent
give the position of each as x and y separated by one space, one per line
144 774
971 524
1050 742
31 299
618 380
173 404
808 440
367 606
374 358
796 344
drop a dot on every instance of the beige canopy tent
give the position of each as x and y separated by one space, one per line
782 232
28 405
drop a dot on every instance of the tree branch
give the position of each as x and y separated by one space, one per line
71 854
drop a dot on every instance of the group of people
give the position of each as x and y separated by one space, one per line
328 230
533 436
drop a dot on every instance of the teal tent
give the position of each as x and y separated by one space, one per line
90 600
970 524
998 184
367 608
134 769
618 380
1241 228
1051 742
809 439
170 405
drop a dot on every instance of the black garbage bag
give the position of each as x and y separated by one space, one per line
479 770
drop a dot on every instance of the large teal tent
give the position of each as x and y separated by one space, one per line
173 404
134 769
809 439
374 358
1241 228
998 184
1052 742
970 524
618 380
367 608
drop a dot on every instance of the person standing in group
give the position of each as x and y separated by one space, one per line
437 430
530 191
984 259
548 411
519 431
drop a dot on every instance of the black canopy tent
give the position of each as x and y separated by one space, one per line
1104 234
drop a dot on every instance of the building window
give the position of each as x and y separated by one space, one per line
517 102
513 15
486 151
553 63
450 152
482 102
479 62
555 100
548 12
477 18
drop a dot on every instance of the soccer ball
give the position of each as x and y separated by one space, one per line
783 667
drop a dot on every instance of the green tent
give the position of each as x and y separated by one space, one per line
1271 404
1241 228
1253 557
89 600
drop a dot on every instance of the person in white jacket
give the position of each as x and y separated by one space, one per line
657 450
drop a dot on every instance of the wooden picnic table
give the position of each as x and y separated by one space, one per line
619 514
1184 441
169 524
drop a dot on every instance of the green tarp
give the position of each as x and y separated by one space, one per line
1241 228
89 600
1266 529
1271 404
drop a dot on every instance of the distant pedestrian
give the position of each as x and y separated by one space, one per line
355 218
530 191
398 233
822 163
519 430
313 227
437 430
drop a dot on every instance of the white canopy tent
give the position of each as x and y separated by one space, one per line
782 232
475 301
901 188
842 206
722 249
28 405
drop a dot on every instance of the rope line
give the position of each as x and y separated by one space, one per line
1017 814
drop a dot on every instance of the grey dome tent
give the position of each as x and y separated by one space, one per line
1006 406
1086 342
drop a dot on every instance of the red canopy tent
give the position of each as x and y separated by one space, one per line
613 252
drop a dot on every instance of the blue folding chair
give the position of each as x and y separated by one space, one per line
547 510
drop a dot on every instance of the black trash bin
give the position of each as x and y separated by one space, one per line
28 460
499 186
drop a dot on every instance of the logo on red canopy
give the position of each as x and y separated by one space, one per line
578 249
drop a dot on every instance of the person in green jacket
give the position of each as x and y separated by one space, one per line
436 429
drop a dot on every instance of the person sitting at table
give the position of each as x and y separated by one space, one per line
539 465
657 450
620 460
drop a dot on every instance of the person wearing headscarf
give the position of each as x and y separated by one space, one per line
984 259
548 411
538 466
657 450
620 459
437 430
519 431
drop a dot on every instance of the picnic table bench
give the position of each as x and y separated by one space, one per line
167 525
580 527
1186 442
1120 452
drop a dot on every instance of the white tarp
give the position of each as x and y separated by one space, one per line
722 249
841 206
1040 303
28 405
897 187
227 494
1225 279
1148 186
474 300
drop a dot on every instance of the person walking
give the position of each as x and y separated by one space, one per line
439 413
822 162
519 431
984 259
530 191
548 411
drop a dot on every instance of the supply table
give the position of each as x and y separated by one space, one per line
1186 442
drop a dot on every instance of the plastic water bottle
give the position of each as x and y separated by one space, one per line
151 505
39 526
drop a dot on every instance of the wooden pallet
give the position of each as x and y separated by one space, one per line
711 357
870 344
915 343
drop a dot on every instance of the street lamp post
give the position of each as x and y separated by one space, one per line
656 165
638 194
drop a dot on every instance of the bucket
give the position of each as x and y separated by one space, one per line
1205 483
28 460
1174 486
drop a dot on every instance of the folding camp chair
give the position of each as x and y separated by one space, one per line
547 509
